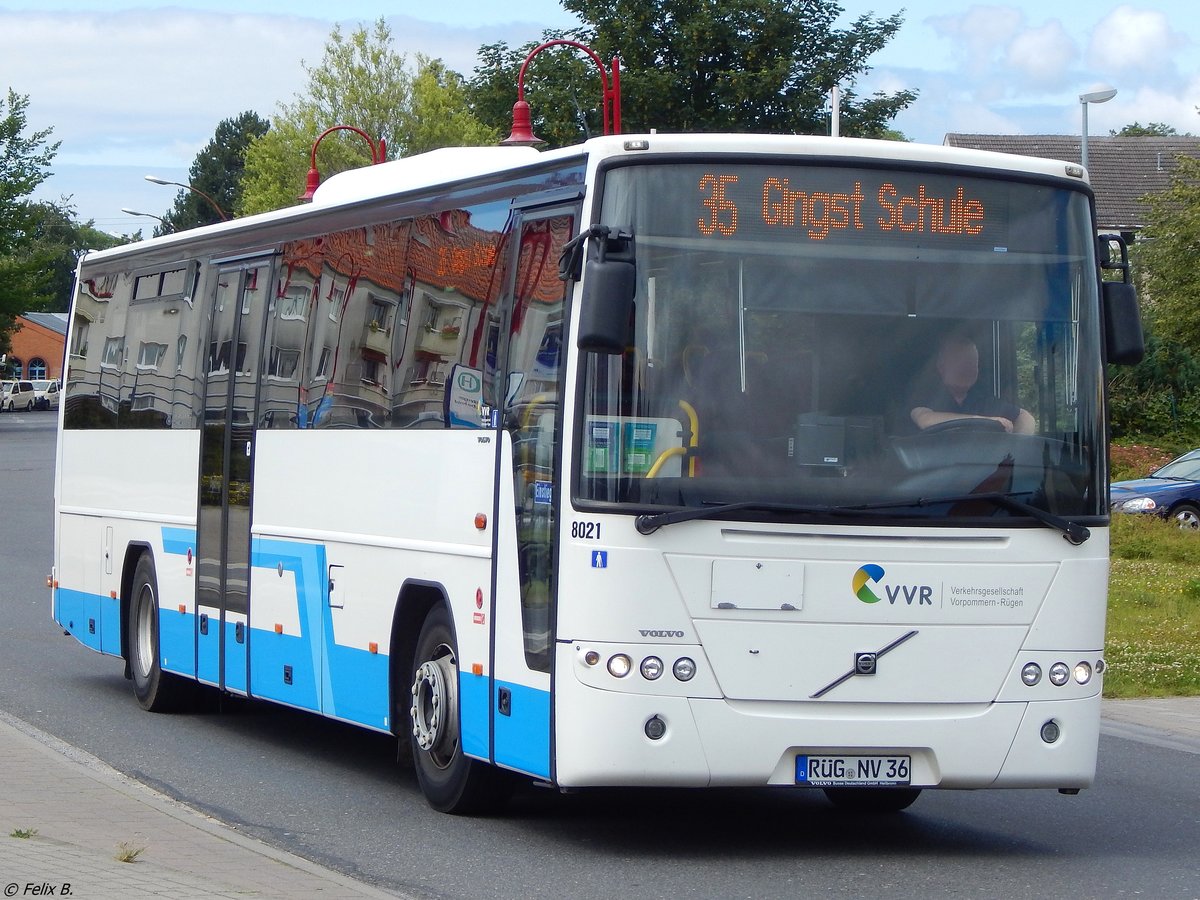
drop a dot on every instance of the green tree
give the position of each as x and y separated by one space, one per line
1160 397
217 172
699 65
364 83
57 240
1168 253
1154 129
24 164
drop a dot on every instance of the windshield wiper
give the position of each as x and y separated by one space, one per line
646 524
1071 531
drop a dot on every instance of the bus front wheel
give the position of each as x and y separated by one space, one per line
450 781
156 690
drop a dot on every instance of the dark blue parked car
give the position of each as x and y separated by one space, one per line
1172 492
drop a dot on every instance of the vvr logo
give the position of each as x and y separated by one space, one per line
871 574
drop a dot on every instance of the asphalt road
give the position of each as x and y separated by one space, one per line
335 795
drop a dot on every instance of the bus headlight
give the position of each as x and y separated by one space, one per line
652 668
1031 674
1060 674
1083 672
619 665
684 669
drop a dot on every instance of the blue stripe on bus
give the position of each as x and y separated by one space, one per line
523 738
178 541
177 641
473 713
89 617
353 682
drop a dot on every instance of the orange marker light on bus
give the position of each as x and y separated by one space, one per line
373 646
476 668
279 628
480 521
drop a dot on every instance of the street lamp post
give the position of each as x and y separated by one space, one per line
1100 96
378 155
610 99
134 212
154 179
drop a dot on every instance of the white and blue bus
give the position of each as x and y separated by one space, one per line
600 466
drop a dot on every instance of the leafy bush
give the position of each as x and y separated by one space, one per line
1136 460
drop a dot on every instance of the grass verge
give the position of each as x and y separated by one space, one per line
1153 641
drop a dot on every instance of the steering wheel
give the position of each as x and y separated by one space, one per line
968 423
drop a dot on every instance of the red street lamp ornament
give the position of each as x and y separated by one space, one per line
610 104
378 155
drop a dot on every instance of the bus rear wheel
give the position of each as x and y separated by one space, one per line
156 690
872 800
450 781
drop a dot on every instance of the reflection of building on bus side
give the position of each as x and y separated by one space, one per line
365 327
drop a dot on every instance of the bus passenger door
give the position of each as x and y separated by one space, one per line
226 461
530 446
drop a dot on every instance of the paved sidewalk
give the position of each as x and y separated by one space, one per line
82 815
1172 722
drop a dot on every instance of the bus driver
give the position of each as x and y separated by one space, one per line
958 395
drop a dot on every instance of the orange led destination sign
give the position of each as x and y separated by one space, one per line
777 202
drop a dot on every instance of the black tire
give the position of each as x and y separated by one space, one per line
450 781
156 690
872 800
1186 516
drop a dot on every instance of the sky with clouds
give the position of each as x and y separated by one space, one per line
133 87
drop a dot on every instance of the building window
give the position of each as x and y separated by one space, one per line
294 304
16 368
164 284
79 337
150 355
337 296
114 352
283 363
377 315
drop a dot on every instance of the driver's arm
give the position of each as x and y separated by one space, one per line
924 417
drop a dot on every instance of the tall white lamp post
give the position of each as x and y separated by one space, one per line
1101 96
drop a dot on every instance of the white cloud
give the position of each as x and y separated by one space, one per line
151 85
1134 39
979 35
1042 55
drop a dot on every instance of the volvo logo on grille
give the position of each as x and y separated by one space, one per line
865 663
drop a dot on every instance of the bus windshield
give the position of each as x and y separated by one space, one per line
817 342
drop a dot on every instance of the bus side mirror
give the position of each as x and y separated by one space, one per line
1122 324
609 285
1123 338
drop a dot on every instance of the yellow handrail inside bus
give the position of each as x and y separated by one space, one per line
689 450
